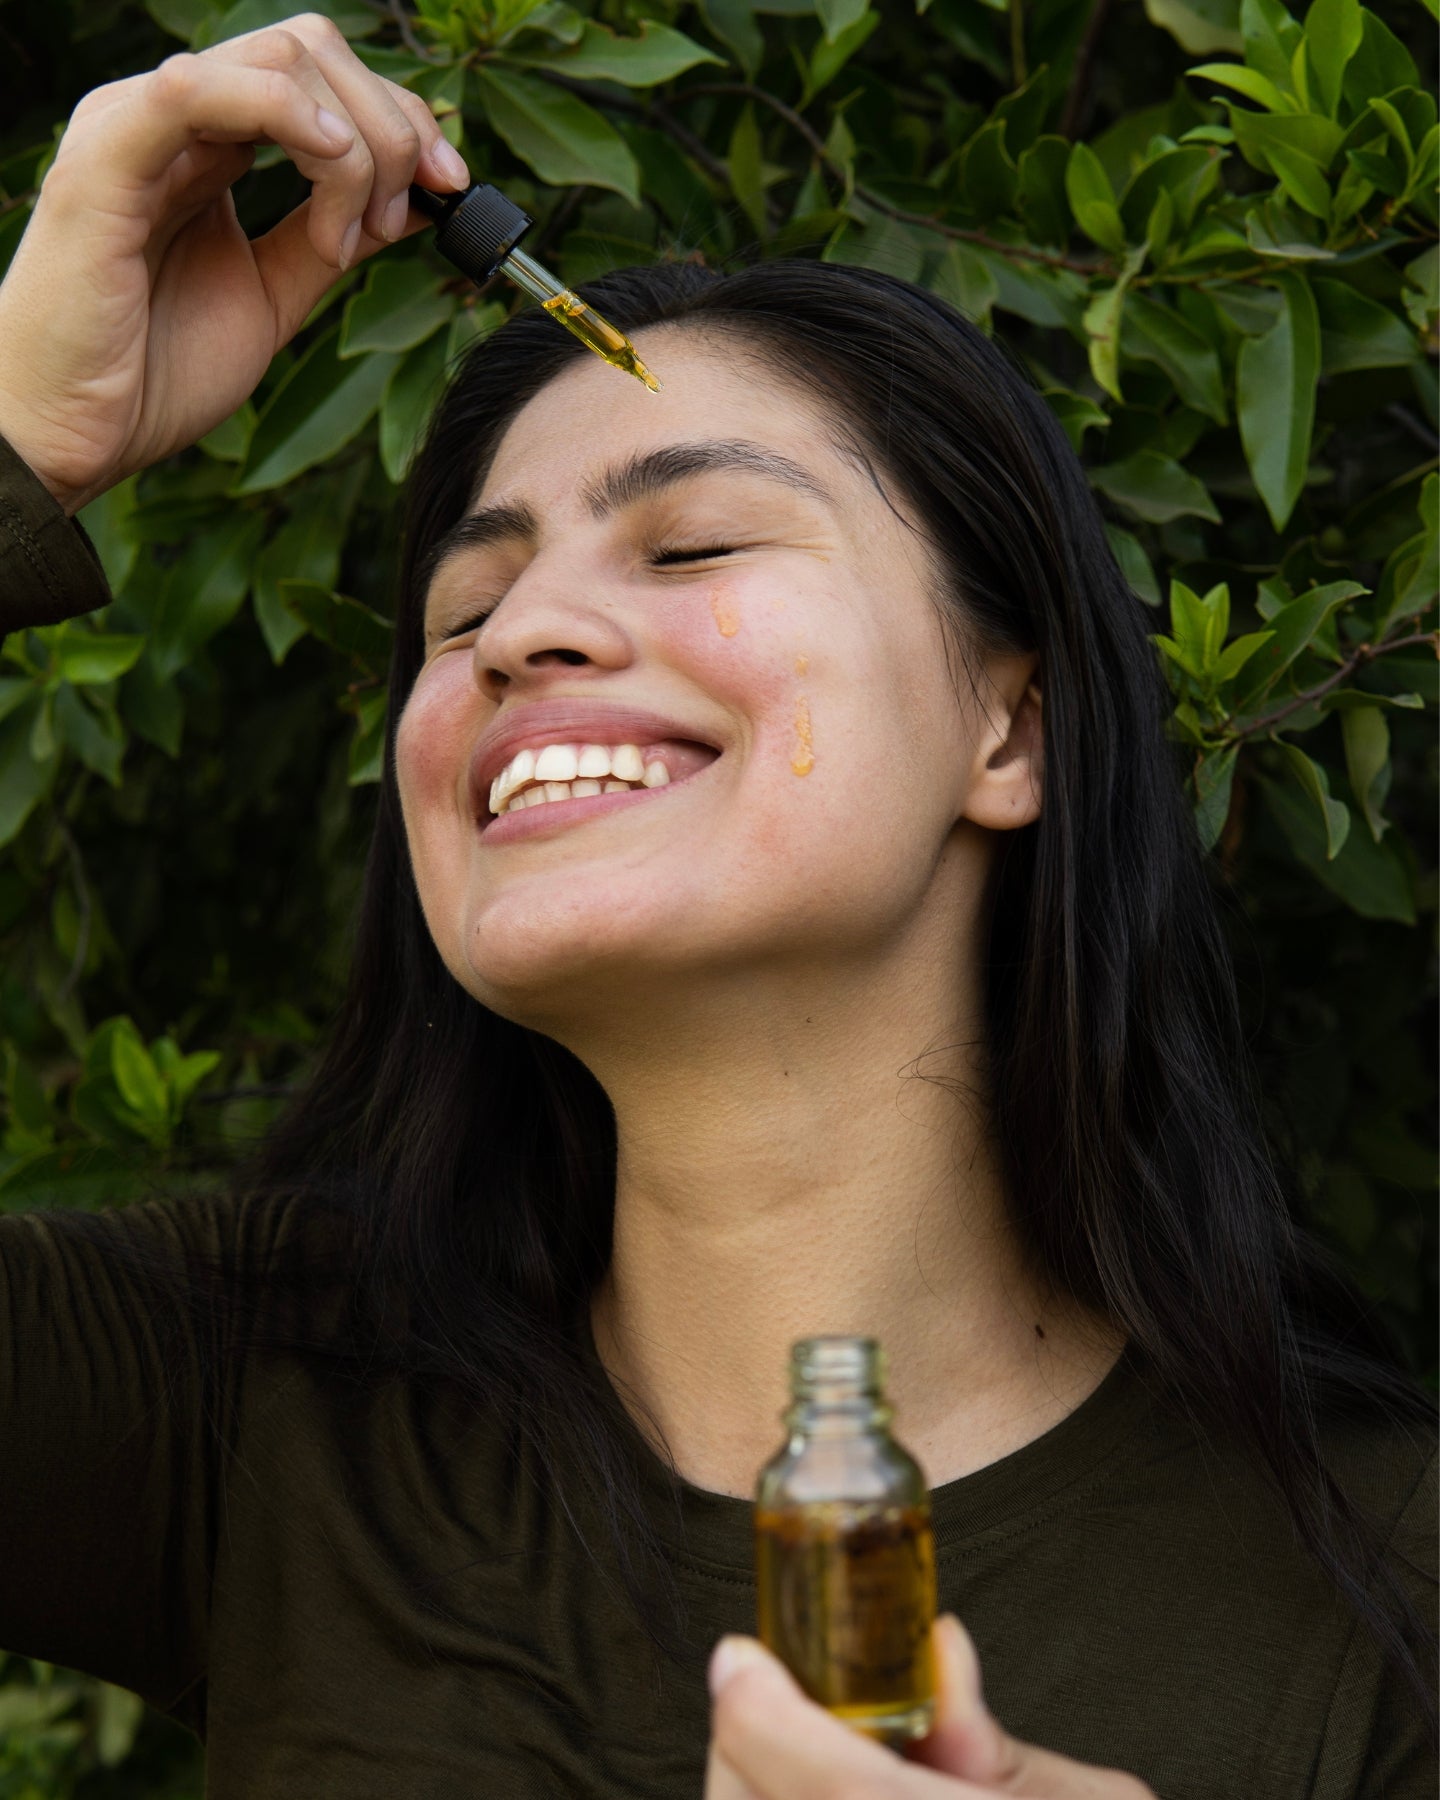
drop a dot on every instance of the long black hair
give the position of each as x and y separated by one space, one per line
474 1159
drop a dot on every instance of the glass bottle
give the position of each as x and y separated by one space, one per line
845 1559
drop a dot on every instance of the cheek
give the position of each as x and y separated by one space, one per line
433 741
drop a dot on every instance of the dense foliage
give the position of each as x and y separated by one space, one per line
1209 229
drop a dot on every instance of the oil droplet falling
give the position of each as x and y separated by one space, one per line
802 664
727 623
803 761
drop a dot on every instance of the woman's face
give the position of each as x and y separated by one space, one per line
705 578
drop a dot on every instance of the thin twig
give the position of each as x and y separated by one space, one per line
1073 114
1366 653
1417 429
398 13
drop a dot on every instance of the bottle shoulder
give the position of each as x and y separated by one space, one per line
869 1467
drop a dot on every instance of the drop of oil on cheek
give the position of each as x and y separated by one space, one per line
803 761
802 664
727 622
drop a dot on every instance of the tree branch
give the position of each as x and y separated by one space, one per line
1366 653
398 13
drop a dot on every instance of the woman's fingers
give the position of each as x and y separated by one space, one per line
779 1745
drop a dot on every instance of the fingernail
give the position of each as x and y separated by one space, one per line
334 128
732 1654
448 162
348 243
397 217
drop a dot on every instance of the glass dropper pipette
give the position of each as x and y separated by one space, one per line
479 231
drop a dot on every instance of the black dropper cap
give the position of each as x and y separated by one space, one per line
475 230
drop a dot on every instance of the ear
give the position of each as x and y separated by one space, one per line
1007 774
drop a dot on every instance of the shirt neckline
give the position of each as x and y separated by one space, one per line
714 1533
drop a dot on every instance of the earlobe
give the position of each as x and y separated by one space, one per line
1006 789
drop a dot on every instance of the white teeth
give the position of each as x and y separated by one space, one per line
557 790
656 775
627 763
515 774
594 762
557 762
582 789
617 787
495 795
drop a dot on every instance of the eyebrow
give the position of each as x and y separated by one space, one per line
644 475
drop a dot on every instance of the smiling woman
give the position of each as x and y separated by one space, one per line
782 918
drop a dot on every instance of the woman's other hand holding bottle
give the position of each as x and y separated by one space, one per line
136 315
769 1742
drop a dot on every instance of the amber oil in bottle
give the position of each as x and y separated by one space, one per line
845 1559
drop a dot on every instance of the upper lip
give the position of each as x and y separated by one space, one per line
540 722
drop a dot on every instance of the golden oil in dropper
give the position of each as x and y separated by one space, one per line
479 232
845 1558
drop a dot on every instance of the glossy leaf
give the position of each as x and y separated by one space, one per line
1367 760
1276 377
1163 336
1154 487
560 136
1314 781
656 53
401 305
319 406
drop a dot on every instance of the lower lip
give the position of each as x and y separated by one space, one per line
555 815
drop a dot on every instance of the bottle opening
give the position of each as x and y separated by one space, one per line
835 1366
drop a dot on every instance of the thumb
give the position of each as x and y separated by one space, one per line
965 1740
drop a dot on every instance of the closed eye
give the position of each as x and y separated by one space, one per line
471 624
669 555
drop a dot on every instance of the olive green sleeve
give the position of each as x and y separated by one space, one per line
48 567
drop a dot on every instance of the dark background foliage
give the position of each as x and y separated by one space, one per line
1206 226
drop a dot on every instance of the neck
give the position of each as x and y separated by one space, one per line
812 1155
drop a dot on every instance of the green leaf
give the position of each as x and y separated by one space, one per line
367 747
747 175
1134 563
353 17
1294 626
401 305
1276 376
1302 179
1314 781
1154 487
345 624
202 592
1198 25
151 706
97 738
1214 779
988 176
305 548
966 281
1092 199
1161 335
320 404
1249 82
24 778
1367 762
1370 878
838 15
136 1076
182 18
405 410
561 138
657 53
1199 624
1333 30
1357 332
733 22
91 656
830 56
1236 654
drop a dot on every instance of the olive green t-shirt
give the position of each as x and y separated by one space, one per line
358 1588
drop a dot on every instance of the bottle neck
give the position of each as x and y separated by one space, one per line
836 1388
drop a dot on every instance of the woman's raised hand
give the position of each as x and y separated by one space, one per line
770 1743
136 314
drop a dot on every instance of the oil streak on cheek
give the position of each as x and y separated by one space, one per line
803 761
727 622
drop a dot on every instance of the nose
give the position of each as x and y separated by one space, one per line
540 633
